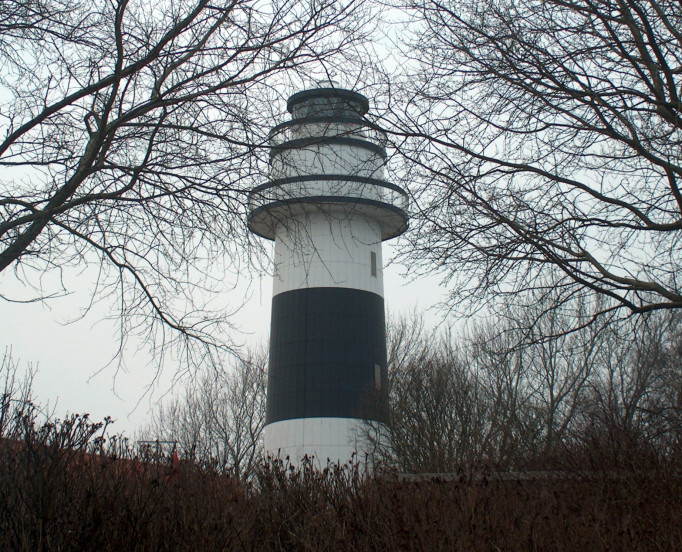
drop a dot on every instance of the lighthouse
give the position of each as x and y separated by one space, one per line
328 208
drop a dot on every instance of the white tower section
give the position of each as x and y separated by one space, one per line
328 208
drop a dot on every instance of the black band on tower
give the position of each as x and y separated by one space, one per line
327 354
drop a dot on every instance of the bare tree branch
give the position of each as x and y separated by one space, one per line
131 134
543 138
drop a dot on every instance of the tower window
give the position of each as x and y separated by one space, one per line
377 377
373 263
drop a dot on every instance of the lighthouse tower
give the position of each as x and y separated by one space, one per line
328 208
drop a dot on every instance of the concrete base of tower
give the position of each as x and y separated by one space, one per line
328 440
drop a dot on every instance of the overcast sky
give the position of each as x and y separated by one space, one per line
77 360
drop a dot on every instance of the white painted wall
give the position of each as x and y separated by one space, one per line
327 159
335 440
328 248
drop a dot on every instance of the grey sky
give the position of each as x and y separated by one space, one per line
77 362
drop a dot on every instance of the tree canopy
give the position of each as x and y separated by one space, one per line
130 136
542 141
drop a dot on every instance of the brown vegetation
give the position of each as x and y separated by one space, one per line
49 500
506 396
612 479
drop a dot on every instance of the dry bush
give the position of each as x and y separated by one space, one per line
56 496
68 485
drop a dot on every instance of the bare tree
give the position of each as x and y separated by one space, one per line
456 400
511 426
219 420
544 140
632 410
524 391
433 417
129 139
16 395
